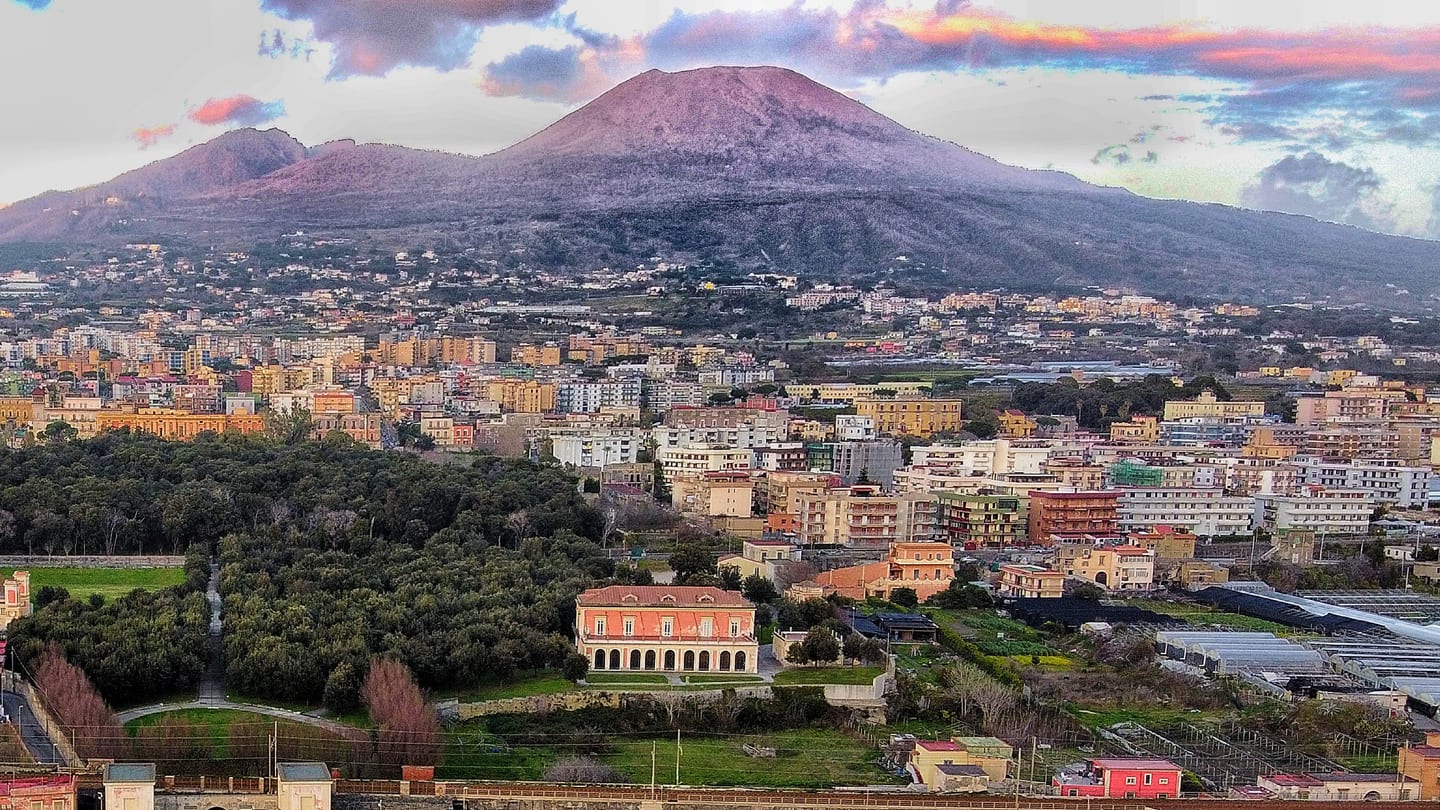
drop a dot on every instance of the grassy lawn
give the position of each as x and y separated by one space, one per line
213 728
108 582
624 677
827 675
722 678
1153 716
545 683
1051 663
804 758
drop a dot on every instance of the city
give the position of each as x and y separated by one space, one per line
557 405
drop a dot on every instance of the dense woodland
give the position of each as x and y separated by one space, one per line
330 554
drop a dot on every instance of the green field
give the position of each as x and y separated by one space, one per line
598 678
827 675
108 582
804 758
544 683
1201 615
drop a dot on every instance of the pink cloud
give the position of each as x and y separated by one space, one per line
149 136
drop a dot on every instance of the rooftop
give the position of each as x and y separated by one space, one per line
1135 764
303 772
130 772
660 595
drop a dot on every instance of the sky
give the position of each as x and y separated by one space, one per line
1319 107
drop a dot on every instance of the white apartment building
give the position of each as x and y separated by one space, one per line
742 435
1204 512
854 428
935 479
1386 482
591 396
987 457
1331 511
693 460
596 450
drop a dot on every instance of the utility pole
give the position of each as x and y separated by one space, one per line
652 769
677 757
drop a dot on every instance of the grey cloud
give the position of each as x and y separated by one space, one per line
374 37
1313 185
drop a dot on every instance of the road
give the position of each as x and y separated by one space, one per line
212 683
31 732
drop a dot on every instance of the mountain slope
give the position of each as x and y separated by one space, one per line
753 167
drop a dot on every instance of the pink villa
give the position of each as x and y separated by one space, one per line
666 628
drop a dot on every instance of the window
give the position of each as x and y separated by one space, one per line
707 626
667 627
629 626
734 628
1129 780
599 627
1147 778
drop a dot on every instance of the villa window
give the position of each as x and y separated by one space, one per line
599 627
667 627
629 626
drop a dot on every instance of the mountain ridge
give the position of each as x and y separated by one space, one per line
748 166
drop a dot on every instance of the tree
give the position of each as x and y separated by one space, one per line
730 578
68 692
408 731
818 647
759 590
575 668
1427 554
693 564
904 597
59 431
289 426
342 688
48 594
660 490
1088 591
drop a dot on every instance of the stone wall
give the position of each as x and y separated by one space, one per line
223 801
89 561
356 801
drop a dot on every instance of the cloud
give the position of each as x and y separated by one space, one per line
537 72
372 38
241 110
1115 154
1433 226
1313 185
149 136
1283 81
35 5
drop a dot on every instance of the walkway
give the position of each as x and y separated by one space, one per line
212 683
270 711
31 732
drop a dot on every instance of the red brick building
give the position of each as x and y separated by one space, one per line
1073 515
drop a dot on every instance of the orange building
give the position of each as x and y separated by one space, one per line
1422 763
667 628
926 568
1030 582
169 423
1069 515
17 598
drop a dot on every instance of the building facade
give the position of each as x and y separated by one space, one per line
666 628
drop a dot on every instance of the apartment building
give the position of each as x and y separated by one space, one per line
1020 581
912 416
988 457
782 490
1385 481
596 449
862 516
1068 515
976 520
1207 405
1317 509
926 568
1203 512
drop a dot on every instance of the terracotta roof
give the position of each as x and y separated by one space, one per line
938 745
658 595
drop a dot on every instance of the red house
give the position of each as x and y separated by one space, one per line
1122 779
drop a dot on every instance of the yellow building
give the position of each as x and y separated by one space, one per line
1016 425
912 416
19 410
962 764
1422 763
529 354
728 493
781 490
1117 568
1139 430
1207 406
169 423
850 392
522 396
